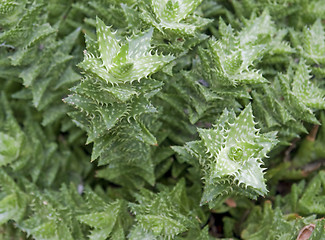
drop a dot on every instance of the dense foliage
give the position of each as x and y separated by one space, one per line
162 119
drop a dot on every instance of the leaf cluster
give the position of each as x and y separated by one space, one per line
170 119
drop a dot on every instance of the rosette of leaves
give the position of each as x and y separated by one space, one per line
32 51
288 102
302 163
225 71
166 214
109 220
113 99
305 198
108 93
287 13
257 44
29 150
173 15
314 43
230 155
63 213
234 54
50 214
311 44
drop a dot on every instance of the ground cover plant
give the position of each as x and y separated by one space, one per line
162 119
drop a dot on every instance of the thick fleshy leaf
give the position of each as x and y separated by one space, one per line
305 90
161 214
139 46
232 156
314 43
146 65
121 92
112 114
108 45
9 148
174 11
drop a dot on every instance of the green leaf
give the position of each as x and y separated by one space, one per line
232 154
314 43
9 148
162 214
105 224
108 45
175 16
112 114
10 208
305 90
